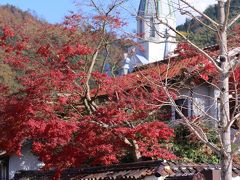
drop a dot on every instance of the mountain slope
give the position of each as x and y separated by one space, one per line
199 33
36 32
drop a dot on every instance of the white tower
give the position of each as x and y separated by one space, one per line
157 40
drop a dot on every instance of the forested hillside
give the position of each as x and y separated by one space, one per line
26 28
34 33
10 15
199 33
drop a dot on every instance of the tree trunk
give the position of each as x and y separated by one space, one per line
226 160
136 153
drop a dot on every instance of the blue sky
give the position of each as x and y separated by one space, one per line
54 10
51 10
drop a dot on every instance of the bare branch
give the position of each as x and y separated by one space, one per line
227 14
200 21
195 129
192 44
233 57
202 14
235 19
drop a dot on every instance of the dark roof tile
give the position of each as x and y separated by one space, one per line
133 171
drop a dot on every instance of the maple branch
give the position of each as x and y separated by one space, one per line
89 101
192 44
230 123
233 55
137 153
236 106
195 129
2 153
89 73
105 58
234 61
234 20
199 20
204 24
205 112
202 14
227 15
131 143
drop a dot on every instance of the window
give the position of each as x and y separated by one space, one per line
140 28
151 7
4 169
183 106
165 8
152 27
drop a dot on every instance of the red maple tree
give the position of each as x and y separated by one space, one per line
67 125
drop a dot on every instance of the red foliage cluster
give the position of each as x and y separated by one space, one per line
72 20
75 50
202 70
7 33
49 112
235 81
7 42
114 22
185 50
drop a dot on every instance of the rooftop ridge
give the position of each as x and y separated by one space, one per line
134 170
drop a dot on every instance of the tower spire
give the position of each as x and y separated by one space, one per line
161 8
153 33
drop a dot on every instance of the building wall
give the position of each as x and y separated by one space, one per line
205 103
26 162
202 102
153 178
154 47
156 52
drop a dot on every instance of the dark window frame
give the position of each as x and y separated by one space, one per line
4 168
183 105
152 28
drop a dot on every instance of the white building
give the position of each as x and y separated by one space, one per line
9 165
156 41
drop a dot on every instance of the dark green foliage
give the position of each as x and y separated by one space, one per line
189 149
202 35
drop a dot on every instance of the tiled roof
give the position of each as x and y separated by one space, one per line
132 171
162 69
169 68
